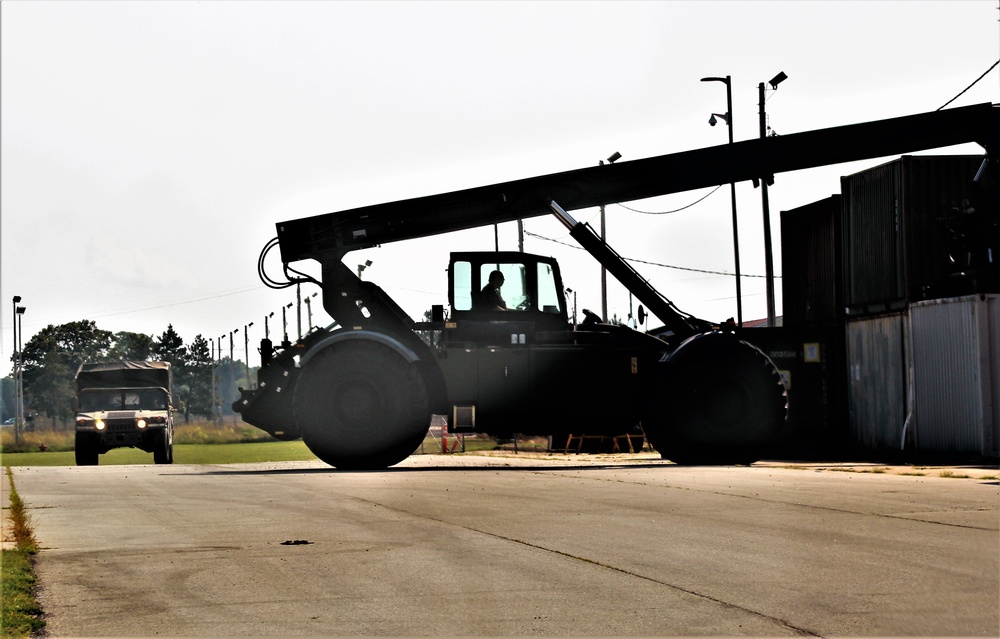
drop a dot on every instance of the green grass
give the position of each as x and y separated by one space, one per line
20 614
241 453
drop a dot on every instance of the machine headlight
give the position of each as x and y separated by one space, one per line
99 424
140 423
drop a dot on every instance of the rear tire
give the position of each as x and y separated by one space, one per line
85 449
361 406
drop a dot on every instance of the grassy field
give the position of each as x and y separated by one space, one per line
237 453
204 443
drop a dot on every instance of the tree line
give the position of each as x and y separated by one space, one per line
53 355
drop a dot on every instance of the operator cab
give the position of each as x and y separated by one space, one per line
531 289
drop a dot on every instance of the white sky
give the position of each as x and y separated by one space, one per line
149 148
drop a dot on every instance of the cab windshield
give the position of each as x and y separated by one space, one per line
524 287
106 399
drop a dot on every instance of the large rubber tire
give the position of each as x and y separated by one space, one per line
85 449
163 448
723 402
361 406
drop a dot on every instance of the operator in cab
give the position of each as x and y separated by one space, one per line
489 299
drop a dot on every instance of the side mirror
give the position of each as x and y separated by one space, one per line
642 315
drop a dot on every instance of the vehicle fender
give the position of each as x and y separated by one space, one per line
392 342
423 359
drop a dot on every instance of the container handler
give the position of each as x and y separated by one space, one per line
362 392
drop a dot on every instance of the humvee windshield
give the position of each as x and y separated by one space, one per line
104 399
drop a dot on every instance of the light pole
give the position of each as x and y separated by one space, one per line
309 311
17 412
284 324
232 369
212 340
267 331
218 379
728 118
19 421
246 350
298 308
765 180
604 271
18 370
569 292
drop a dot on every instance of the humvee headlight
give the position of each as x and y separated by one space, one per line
99 424
141 423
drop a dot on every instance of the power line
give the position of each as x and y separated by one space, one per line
970 86
675 210
638 261
100 315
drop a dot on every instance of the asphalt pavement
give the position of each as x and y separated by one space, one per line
516 545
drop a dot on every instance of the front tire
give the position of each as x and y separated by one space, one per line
163 448
85 449
361 406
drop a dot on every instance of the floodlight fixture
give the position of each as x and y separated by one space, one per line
723 116
614 157
778 79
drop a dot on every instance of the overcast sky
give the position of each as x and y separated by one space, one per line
149 148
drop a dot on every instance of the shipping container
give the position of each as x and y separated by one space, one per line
896 243
956 364
811 362
811 279
877 393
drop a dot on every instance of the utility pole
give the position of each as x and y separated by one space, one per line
728 117
604 271
764 180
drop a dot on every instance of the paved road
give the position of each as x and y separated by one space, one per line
488 546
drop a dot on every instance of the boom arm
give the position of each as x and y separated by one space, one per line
328 237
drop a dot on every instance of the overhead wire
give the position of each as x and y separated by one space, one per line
638 261
974 83
628 208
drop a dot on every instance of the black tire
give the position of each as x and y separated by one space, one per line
85 449
361 406
163 448
724 403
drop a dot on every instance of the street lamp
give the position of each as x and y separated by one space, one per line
309 311
604 271
284 324
728 119
267 331
764 182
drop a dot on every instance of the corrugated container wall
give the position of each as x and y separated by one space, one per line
877 380
895 241
811 264
956 363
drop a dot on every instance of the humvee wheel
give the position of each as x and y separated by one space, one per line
360 405
163 449
725 403
85 450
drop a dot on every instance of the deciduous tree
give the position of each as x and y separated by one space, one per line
51 359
